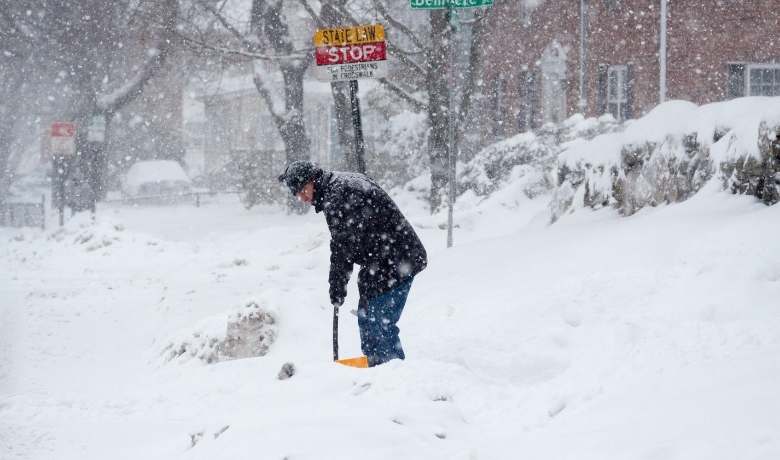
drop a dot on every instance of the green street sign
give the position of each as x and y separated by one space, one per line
445 4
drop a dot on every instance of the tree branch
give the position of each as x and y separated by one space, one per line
312 13
252 46
418 105
398 25
154 60
278 119
403 59
241 53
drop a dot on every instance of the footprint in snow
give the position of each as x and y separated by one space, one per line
362 388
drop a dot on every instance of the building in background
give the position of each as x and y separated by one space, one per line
549 59
232 122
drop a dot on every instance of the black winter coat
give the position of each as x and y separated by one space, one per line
366 229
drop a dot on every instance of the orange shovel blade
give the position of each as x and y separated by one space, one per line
360 361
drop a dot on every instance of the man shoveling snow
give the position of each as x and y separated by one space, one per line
366 229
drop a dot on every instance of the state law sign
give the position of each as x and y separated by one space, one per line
63 139
351 53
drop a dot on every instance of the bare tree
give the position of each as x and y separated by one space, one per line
421 50
269 40
269 26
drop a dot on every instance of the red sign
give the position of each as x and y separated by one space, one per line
62 140
347 54
63 129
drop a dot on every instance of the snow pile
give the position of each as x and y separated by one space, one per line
669 154
81 232
246 333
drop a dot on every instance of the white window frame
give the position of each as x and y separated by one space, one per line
776 83
620 97
553 67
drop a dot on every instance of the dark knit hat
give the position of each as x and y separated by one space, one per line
298 174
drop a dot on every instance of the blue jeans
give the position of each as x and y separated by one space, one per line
377 318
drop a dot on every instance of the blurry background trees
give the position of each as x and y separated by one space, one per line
125 65
93 57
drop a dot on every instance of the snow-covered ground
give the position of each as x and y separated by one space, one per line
650 337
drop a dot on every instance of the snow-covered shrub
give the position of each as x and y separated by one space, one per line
527 153
670 154
246 333
756 175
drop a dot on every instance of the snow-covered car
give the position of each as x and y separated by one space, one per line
156 179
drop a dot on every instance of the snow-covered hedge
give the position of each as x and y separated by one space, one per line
670 153
528 153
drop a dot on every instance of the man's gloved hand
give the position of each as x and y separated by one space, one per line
337 297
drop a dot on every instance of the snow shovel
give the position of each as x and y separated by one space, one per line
360 361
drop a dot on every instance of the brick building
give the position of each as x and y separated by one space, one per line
546 60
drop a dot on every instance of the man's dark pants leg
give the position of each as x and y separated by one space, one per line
377 318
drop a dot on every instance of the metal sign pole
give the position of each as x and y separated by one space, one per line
357 125
61 171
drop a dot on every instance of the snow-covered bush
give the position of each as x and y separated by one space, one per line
669 154
245 333
527 153
756 175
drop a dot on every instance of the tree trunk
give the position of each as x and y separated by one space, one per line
331 17
296 140
344 128
9 108
269 26
438 105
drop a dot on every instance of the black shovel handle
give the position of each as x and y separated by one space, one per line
335 332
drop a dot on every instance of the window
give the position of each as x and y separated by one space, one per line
763 80
617 91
